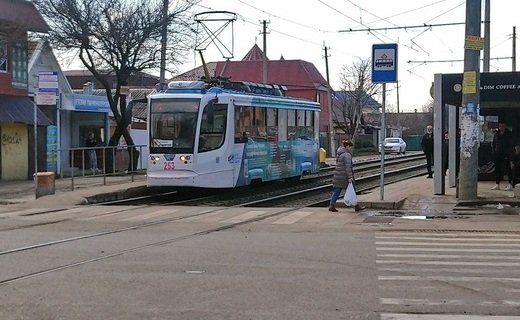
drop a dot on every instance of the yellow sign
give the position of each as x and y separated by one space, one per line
474 43
469 82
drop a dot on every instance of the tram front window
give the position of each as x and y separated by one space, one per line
172 125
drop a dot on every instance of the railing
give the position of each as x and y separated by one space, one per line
111 161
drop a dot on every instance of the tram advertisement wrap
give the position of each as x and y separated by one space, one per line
265 161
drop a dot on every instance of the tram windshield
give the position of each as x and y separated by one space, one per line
172 125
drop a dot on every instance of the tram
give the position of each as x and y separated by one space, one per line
229 135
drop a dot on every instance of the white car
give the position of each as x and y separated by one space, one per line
396 145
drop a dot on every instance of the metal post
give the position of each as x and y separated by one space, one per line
487 34
382 143
513 59
104 166
470 104
264 56
164 35
35 150
332 142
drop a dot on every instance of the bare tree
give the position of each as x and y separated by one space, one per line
357 90
427 106
120 38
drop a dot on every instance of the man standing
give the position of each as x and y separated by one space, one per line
92 142
427 147
502 149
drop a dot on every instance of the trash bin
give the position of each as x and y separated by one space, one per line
46 184
323 155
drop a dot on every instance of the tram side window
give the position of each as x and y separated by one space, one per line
309 124
213 127
260 132
291 124
272 124
243 123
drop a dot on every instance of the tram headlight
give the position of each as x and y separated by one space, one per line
154 158
185 158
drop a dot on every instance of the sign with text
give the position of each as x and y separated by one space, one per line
47 88
384 63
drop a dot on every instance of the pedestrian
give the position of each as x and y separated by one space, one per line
427 147
92 142
502 150
343 174
515 166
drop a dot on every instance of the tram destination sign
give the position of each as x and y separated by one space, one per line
384 63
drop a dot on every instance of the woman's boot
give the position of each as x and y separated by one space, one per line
358 208
332 208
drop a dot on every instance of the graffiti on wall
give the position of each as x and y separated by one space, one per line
11 138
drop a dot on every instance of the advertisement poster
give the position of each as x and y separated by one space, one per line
52 148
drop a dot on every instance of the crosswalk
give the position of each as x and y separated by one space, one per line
133 214
448 275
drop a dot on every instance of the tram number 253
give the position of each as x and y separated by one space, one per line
169 165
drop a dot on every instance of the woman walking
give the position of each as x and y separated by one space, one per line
343 174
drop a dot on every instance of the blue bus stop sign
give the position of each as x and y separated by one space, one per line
384 63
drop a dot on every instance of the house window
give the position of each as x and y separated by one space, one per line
19 65
3 55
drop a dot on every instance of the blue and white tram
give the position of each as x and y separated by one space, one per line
213 137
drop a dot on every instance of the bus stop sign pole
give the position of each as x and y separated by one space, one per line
384 70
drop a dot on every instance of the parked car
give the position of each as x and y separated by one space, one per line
396 145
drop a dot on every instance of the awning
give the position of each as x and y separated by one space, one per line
19 109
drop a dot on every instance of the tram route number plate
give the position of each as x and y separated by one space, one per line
169 165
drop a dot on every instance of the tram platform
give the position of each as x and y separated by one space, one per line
413 195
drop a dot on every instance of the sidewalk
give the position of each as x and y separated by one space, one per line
413 195
24 192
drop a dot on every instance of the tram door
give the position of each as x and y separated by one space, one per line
212 150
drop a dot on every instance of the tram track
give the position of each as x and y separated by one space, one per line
30 249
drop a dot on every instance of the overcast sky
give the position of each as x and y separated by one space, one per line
299 30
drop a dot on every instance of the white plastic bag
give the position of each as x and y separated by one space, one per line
350 197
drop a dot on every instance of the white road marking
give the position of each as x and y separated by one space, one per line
155 214
292 218
445 256
405 316
433 243
447 278
447 249
243 217
452 239
450 263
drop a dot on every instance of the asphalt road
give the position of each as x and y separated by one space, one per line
211 263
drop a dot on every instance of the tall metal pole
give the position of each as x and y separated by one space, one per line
468 177
164 35
382 143
332 142
487 35
513 59
35 151
264 57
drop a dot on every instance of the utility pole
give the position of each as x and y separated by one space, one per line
513 59
398 115
264 57
487 35
470 103
332 143
164 34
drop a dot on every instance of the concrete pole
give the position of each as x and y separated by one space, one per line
487 35
164 35
332 142
469 140
264 57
